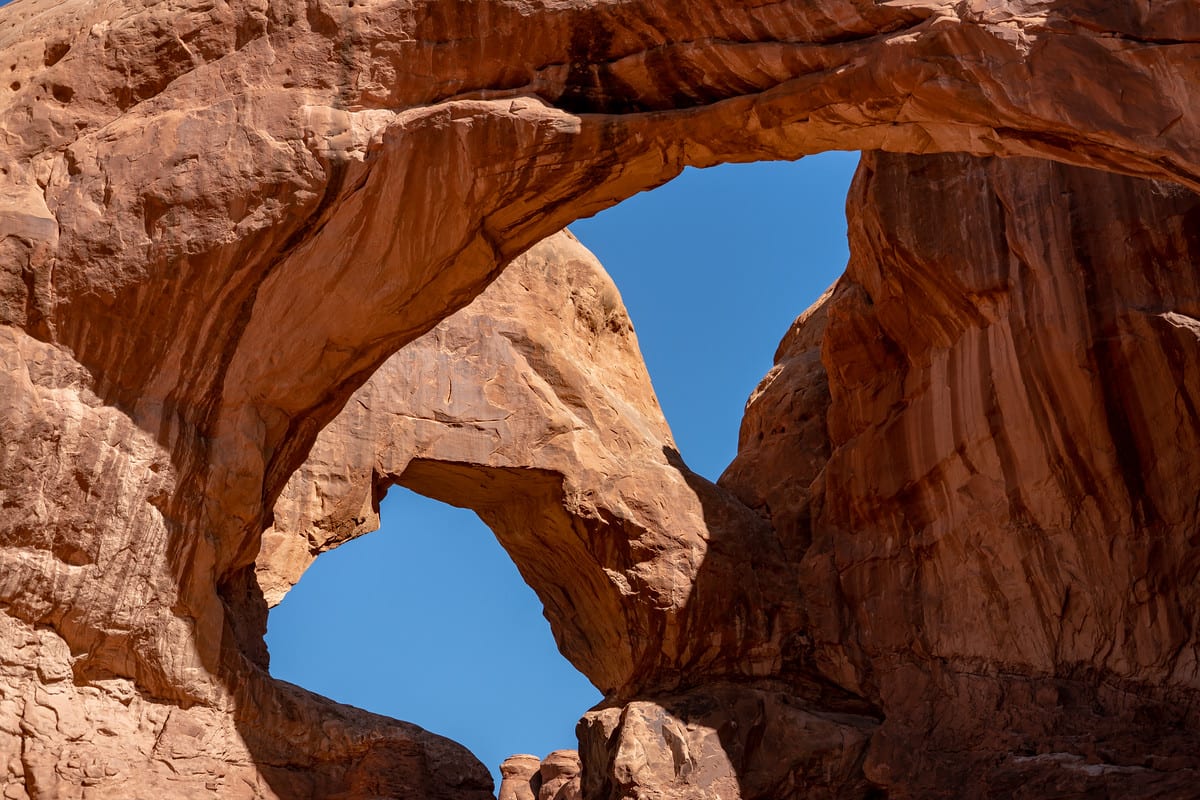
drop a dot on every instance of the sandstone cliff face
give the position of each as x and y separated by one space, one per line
193 194
997 549
946 350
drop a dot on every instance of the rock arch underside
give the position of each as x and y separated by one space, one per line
261 259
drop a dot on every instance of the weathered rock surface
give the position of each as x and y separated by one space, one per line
532 406
103 738
726 740
559 776
527 777
517 776
996 547
78 713
217 219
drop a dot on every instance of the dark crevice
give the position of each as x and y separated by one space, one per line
55 51
1105 341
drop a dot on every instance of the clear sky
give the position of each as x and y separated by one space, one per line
427 619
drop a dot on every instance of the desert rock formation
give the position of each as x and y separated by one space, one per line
218 219
517 776
1008 573
532 407
527 777
996 545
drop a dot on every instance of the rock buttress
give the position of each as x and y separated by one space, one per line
995 543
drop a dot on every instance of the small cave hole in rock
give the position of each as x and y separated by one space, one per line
427 620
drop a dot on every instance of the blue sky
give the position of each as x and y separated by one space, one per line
427 619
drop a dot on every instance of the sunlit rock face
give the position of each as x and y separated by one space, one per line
556 777
532 406
217 220
943 579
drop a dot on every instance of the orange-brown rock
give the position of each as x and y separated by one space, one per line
996 550
558 776
527 777
217 219
781 738
517 776
532 406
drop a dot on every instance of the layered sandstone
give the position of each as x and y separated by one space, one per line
218 219
920 346
532 406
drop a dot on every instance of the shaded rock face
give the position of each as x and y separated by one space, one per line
995 549
218 219
879 444
532 407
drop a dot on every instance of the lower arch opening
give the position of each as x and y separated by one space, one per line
427 620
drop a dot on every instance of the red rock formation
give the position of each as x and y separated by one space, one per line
558 777
997 550
532 406
530 778
217 219
517 776
848 647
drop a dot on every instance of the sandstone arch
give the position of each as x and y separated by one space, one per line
654 580
554 436
1062 319
198 176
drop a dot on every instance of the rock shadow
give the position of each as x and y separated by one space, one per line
749 718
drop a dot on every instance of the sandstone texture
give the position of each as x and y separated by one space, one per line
517 775
532 407
994 539
527 777
954 555
987 621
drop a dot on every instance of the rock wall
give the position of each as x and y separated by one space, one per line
532 406
994 545
218 219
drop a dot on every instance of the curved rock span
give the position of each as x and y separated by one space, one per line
953 557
